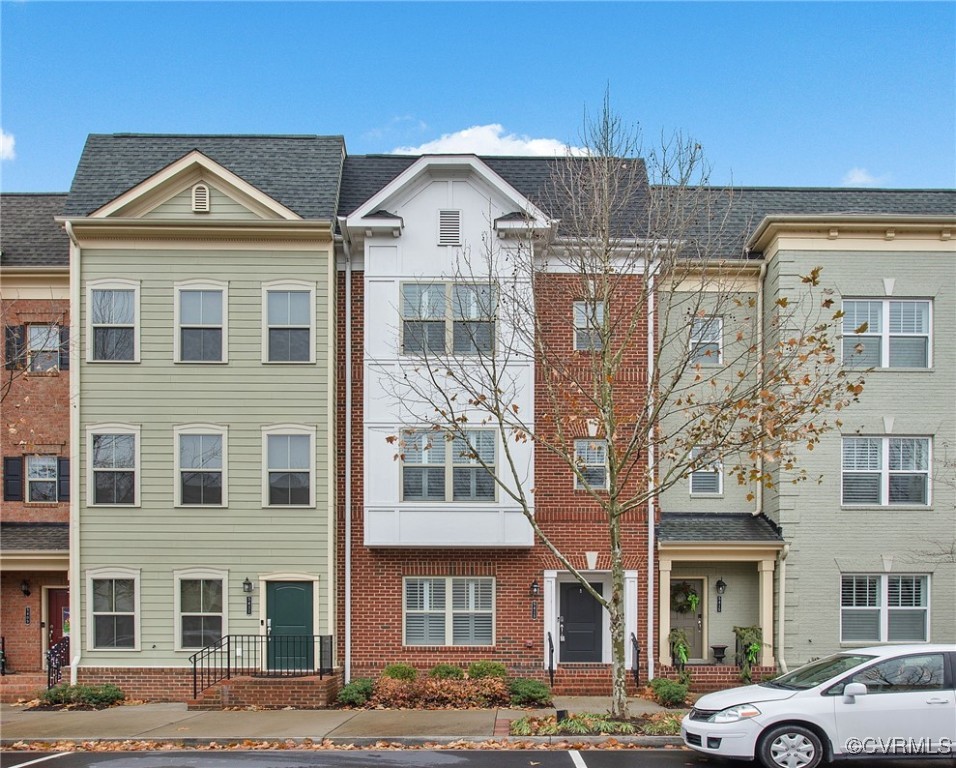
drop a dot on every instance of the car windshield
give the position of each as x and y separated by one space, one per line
817 672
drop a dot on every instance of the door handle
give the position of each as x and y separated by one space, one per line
561 629
937 701
268 626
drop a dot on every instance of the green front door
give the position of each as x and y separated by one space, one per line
289 625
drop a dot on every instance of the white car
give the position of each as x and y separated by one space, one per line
887 701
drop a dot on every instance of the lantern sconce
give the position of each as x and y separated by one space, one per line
247 586
25 587
534 590
721 587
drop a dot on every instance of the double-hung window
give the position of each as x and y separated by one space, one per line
886 471
201 309
200 608
892 333
448 317
706 475
590 456
201 465
42 478
706 341
884 608
289 322
588 325
467 618
289 478
113 309
113 602
43 348
114 464
436 469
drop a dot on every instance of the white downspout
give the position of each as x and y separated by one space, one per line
651 461
347 500
75 587
758 496
782 604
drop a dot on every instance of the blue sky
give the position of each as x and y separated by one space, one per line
803 94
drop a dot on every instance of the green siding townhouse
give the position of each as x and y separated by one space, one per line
202 405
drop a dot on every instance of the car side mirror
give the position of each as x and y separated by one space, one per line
852 690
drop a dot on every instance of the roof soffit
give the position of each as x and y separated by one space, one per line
431 167
188 170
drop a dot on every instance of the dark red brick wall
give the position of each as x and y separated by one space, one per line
22 641
575 524
142 683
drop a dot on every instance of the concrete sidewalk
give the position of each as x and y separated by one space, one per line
173 722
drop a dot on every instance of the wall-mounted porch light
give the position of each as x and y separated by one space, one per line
720 587
247 586
25 587
533 591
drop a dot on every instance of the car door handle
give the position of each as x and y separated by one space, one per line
937 701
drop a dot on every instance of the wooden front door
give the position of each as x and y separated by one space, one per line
289 625
581 627
684 614
58 615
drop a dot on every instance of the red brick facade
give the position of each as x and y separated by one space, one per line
36 420
574 523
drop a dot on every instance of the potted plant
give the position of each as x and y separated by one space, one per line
680 648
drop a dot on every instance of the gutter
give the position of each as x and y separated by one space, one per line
75 469
347 485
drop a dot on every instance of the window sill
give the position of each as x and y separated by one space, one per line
200 506
282 506
707 495
433 648
113 506
42 374
886 508
113 650
889 370
200 362
111 362
44 504
288 362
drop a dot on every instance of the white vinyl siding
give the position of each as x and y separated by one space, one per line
884 608
886 471
706 340
431 619
435 469
588 324
458 318
893 333
590 456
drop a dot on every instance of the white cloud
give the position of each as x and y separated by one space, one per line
860 177
7 142
488 140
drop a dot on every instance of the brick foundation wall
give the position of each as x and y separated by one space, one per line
143 683
715 677
272 693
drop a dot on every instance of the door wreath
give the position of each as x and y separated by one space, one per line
684 598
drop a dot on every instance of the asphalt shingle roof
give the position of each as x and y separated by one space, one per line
717 526
301 172
28 235
42 537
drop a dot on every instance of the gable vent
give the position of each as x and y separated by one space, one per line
200 199
449 227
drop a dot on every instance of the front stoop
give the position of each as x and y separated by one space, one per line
270 693
705 678
23 686
587 680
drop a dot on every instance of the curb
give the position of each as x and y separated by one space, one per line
648 742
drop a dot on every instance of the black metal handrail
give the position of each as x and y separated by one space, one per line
261 656
551 659
635 660
57 657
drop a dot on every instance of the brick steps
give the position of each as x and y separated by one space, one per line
270 693
22 685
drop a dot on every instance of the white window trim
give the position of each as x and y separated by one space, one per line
287 285
587 305
200 285
449 610
55 335
578 485
200 429
26 477
884 473
113 573
884 608
885 334
449 468
692 342
448 288
714 466
188 574
287 429
105 285
113 429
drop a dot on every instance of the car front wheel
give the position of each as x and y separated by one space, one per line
790 746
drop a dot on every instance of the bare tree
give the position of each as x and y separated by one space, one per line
649 276
33 347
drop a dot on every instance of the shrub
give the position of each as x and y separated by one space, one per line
446 672
434 693
663 724
87 695
668 693
357 692
480 669
400 672
526 692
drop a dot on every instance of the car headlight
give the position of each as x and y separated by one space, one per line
734 714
